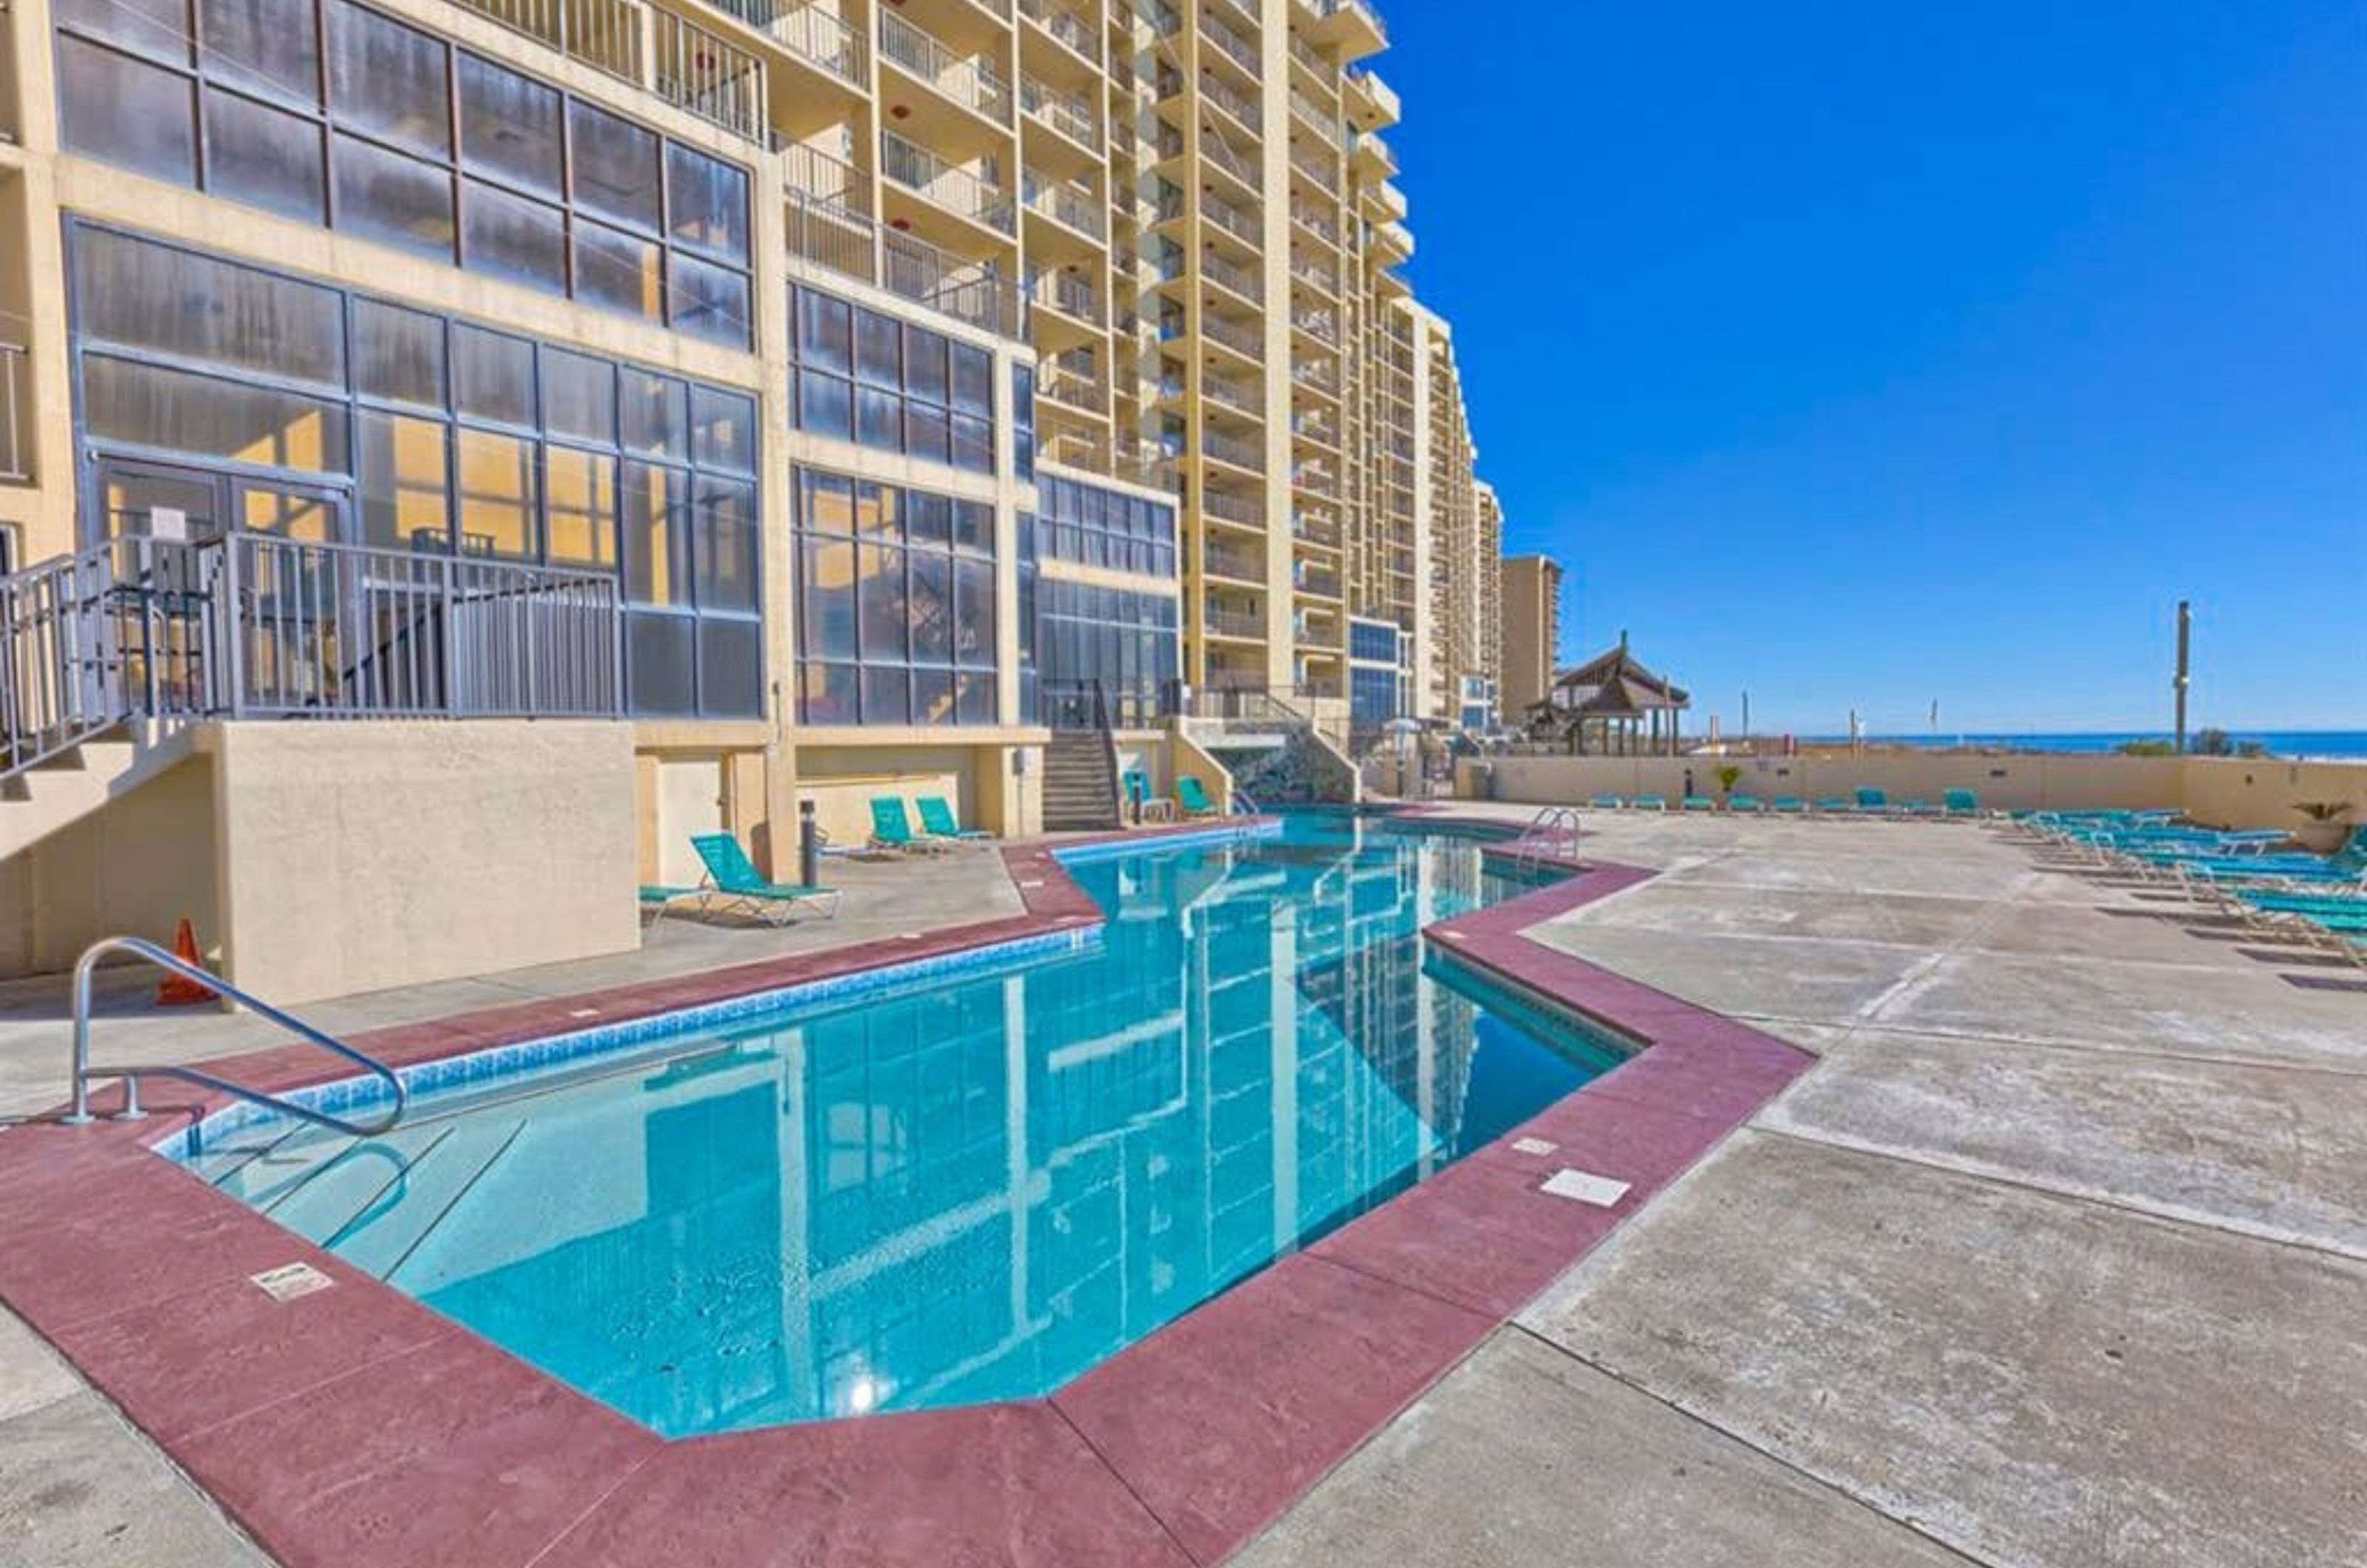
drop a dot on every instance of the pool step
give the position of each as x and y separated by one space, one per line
219 1160
370 1174
380 1243
290 1162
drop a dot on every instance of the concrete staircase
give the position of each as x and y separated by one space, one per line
1081 783
56 792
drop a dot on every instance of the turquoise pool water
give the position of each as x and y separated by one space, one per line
969 1189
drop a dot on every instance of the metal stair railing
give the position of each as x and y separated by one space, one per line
86 969
1544 835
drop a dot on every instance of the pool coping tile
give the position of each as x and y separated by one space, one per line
354 1427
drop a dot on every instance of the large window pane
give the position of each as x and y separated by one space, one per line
615 167
393 199
723 430
618 271
660 662
656 414
581 487
403 479
263 157
826 609
924 365
731 668
828 693
578 396
825 404
825 331
207 417
878 419
510 237
510 127
389 80
398 354
127 113
829 503
263 46
973 380
500 514
973 444
708 202
728 545
932 606
657 536
708 302
493 376
886 696
881 598
139 294
974 619
927 432
932 696
157 28
878 350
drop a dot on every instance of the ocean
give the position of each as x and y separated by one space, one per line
2333 745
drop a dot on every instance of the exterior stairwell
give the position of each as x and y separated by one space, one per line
1081 765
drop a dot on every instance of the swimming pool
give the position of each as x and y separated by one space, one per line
960 1187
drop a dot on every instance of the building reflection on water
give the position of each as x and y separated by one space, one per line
979 1190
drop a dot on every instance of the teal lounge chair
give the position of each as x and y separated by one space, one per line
1651 803
736 887
1834 804
657 901
1872 800
1609 803
938 822
1194 799
1700 803
1790 805
1744 803
891 829
1961 803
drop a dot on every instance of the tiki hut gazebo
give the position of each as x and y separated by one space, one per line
1611 706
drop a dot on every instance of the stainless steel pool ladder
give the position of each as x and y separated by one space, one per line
86 967
1538 840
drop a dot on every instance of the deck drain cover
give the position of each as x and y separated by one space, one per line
1585 1187
1534 1145
294 1280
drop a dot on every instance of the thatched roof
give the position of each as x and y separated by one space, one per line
1612 686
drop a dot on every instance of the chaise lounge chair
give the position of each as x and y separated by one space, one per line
1608 803
1873 802
1961 803
938 822
1651 803
1789 804
891 829
1744 803
736 887
1194 799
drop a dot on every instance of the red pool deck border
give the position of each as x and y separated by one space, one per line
355 1428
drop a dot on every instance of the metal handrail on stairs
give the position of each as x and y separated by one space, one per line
86 969
1541 836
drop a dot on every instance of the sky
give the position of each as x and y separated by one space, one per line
1871 354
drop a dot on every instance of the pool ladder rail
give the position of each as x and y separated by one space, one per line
85 969
1549 833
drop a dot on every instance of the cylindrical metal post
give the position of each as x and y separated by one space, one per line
809 846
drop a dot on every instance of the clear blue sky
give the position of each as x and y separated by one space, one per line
1865 353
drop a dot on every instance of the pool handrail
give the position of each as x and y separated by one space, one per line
86 969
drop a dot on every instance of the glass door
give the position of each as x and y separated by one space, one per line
299 595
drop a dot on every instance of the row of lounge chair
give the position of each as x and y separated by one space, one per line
1865 802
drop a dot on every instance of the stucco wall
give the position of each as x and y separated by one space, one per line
136 868
2018 783
2232 792
355 857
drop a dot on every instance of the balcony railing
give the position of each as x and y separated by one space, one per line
1315 222
1070 114
1074 387
1071 294
15 441
1235 335
1232 276
604 34
1066 202
1122 458
1215 149
1231 508
812 34
1317 117
1226 622
975 292
1238 565
972 82
1233 102
1234 46
1057 18
713 78
1322 584
955 189
1238 221
831 235
1314 481
1320 325
1233 394
1324 171
1240 453
1323 536
1314 274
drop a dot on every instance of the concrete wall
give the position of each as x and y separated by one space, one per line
987 788
135 867
355 857
2233 792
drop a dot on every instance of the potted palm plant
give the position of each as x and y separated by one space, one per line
1727 777
2327 827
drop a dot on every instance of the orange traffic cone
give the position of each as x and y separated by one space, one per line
178 990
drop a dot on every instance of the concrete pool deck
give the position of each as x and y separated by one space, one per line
2057 1257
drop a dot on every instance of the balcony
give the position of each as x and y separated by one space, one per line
1316 221
1323 168
1395 241
1070 293
811 34
1070 114
1373 102
1232 46
1122 458
1315 481
15 401
1239 222
830 222
1057 19
1322 536
1241 337
957 190
1247 456
1238 565
1372 157
1076 387
1319 324
1315 115
1316 274
972 82
686 64
1219 619
1240 510
1066 203
1243 397
975 292
1233 277
1235 103
1351 27
1214 148
1316 583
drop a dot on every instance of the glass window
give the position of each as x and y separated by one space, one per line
886 696
932 604
129 113
881 598
826 608
974 525
925 376
723 430
656 415
578 396
151 406
581 489
825 405
263 46
493 376
136 293
878 350
263 157
726 545
731 668
974 616
878 419
403 477
509 237
617 271
825 331
159 28
928 519
708 302
829 503
973 380
828 693
876 508
660 662
973 441
615 167
499 510
398 354
707 202
392 199
389 80
928 433
510 128
657 536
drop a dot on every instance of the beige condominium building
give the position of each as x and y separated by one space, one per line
1532 632
731 410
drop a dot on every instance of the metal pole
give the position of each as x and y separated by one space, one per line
2185 639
